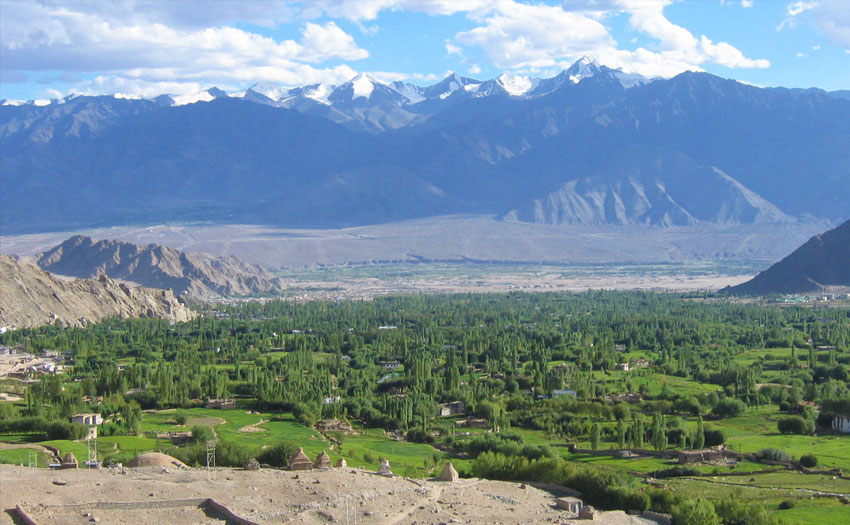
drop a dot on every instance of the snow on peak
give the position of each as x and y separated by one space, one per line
412 93
583 68
126 96
271 90
12 102
318 92
516 85
363 85
191 98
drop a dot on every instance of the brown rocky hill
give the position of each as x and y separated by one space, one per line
198 275
823 262
31 297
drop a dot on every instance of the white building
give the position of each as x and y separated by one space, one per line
87 419
841 423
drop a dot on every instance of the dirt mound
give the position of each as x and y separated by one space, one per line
154 459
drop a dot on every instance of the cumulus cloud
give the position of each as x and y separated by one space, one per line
139 53
516 36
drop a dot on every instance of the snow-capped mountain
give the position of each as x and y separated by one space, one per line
590 145
365 103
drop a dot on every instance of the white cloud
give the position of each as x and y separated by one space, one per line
474 69
320 43
452 49
746 3
727 55
518 35
515 35
138 54
815 48
831 17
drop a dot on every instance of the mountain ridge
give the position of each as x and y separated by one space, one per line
822 262
198 275
711 150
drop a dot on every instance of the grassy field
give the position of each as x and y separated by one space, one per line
22 456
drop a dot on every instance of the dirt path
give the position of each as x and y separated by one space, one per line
254 427
431 499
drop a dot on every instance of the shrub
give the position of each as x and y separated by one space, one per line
180 418
278 454
809 460
201 434
773 454
674 472
729 407
696 512
417 435
795 425
714 438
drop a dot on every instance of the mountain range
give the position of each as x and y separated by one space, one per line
591 146
820 264
197 275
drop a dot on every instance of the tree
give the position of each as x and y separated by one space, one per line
795 425
659 435
696 512
595 436
699 438
729 407
621 434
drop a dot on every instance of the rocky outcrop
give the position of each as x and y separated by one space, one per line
822 263
199 275
32 297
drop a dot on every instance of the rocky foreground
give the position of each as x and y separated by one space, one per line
273 496
32 297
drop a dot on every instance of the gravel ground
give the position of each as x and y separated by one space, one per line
273 496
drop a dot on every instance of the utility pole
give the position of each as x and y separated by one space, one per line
210 459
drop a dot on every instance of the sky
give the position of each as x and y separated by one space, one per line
53 48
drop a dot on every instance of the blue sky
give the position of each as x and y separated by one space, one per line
51 48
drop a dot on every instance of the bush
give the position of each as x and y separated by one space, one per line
729 407
201 434
278 454
795 425
696 512
180 418
714 438
674 472
786 505
773 454
809 460
417 435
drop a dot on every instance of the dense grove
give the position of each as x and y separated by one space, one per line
392 361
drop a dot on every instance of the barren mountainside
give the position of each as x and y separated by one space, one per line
586 147
32 297
824 261
199 275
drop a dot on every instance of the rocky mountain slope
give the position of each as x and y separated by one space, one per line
824 261
198 275
31 297
592 145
